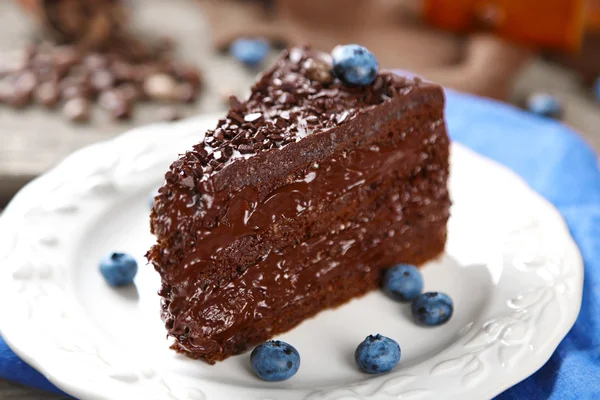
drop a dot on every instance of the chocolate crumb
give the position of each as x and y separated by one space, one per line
218 135
218 155
253 117
318 71
124 71
378 84
227 152
341 117
295 55
160 87
235 104
26 82
47 94
102 80
245 148
286 98
188 181
64 57
77 109
95 61
115 102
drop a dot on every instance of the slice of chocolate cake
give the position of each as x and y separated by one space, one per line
296 202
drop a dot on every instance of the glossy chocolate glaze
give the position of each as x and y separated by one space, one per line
271 232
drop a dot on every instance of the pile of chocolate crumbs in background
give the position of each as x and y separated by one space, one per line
297 96
61 77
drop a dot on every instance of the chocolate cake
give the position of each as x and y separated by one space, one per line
296 202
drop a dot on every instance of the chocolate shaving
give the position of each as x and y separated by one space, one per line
253 117
245 148
318 71
188 181
235 105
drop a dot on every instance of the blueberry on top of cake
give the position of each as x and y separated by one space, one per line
297 201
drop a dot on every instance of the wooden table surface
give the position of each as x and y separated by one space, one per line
33 140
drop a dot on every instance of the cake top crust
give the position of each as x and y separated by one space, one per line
296 97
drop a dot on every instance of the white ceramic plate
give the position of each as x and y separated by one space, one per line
511 267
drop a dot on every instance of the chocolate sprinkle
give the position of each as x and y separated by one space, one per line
253 117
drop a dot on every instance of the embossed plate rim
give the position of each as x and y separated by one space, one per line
81 363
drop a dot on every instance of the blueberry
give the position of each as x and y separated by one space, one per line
597 89
118 269
377 354
432 308
402 282
544 104
354 65
275 361
251 52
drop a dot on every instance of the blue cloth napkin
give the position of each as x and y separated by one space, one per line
561 167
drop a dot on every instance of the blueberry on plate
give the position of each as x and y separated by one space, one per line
118 269
544 104
354 65
377 354
251 52
275 361
402 282
432 308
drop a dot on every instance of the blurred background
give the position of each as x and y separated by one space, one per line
74 72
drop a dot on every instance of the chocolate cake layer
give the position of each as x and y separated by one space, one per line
251 245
